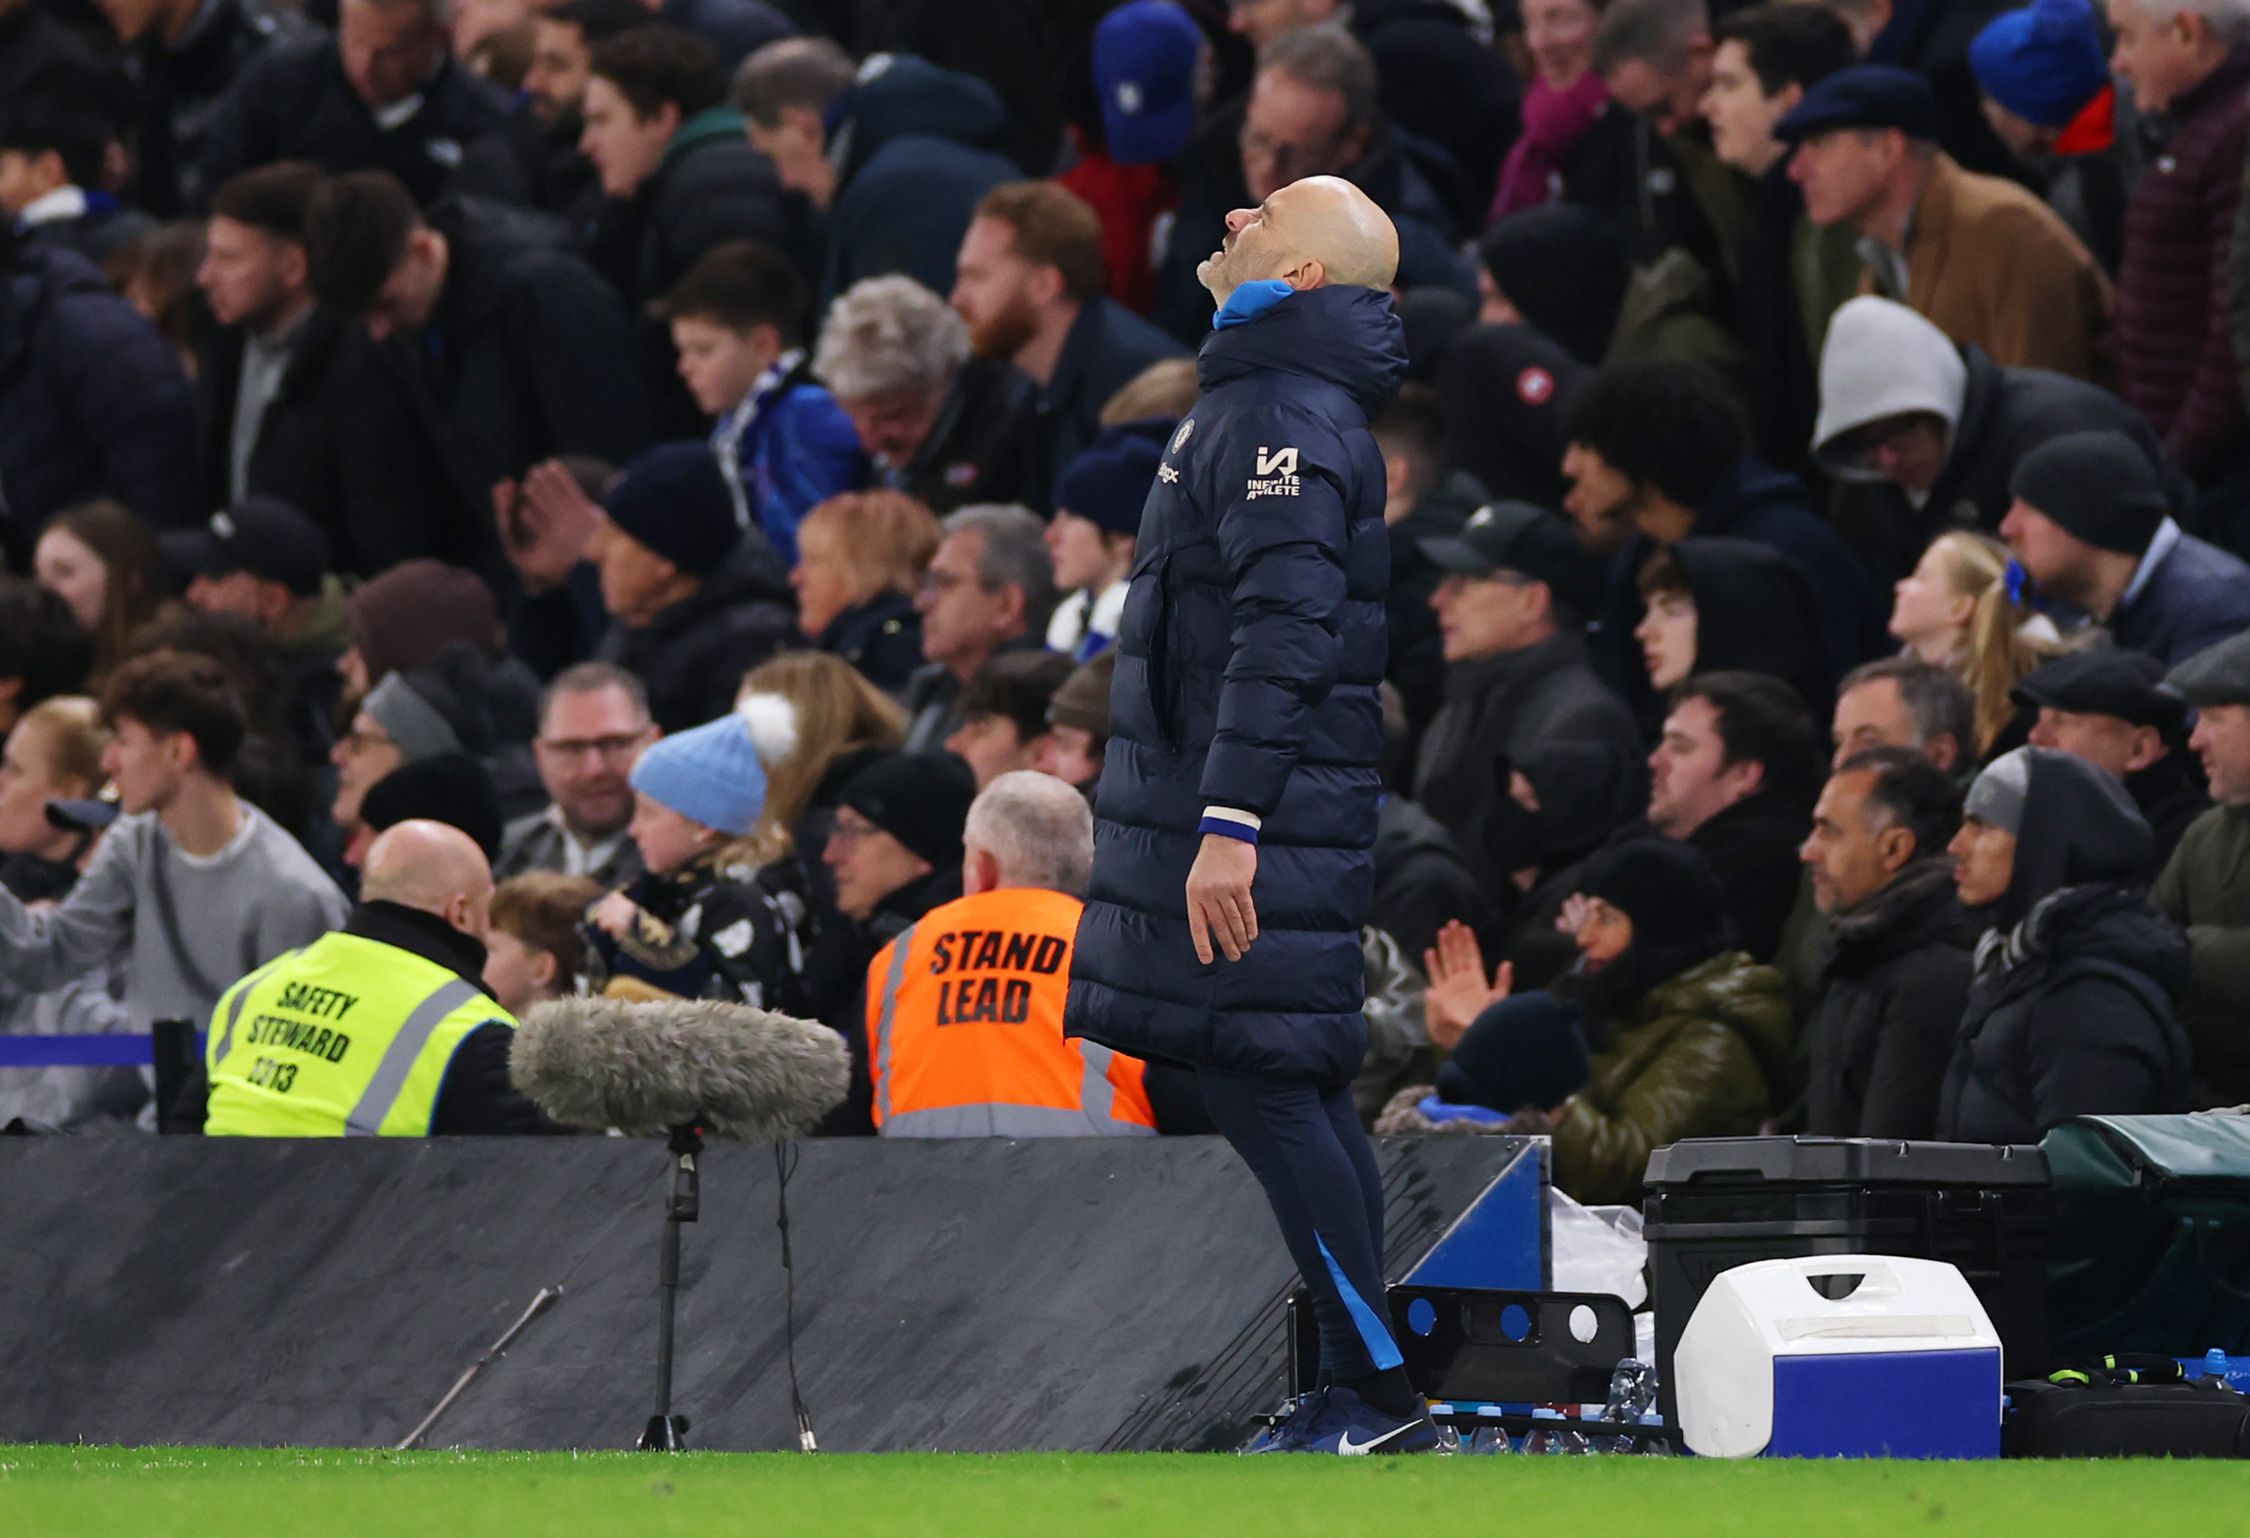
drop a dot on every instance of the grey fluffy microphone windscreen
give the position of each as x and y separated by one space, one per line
646 1068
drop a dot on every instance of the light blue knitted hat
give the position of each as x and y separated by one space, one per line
709 774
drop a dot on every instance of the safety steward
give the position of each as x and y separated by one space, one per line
381 1028
965 1008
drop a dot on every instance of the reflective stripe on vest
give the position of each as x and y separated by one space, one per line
347 1037
382 1092
976 990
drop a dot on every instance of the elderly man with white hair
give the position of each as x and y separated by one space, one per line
964 1009
940 425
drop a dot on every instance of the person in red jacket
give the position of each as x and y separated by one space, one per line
2186 59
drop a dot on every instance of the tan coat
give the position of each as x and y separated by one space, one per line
1989 263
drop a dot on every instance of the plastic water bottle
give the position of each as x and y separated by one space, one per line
1554 1436
1632 1391
1489 1437
2233 1371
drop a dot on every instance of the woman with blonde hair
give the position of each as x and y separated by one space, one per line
860 559
1962 608
816 722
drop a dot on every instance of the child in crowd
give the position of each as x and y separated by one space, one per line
698 925
534 951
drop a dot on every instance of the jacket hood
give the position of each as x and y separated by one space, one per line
1881 360
1344 335
898 95
2099 922
2079 827
1754 611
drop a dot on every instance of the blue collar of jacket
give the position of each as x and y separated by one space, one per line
1250 301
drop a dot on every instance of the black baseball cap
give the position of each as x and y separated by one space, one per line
1517 537
2106 681
263 536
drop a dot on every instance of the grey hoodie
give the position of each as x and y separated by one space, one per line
1883 360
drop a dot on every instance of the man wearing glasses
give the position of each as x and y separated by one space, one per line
593 725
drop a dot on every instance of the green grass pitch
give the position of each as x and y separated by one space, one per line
62 1492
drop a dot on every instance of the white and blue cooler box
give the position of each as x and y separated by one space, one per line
1797 1359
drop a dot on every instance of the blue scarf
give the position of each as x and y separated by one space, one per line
1250 301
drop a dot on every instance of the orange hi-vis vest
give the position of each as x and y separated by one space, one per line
965 1028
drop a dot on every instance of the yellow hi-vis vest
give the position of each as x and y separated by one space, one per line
347 1037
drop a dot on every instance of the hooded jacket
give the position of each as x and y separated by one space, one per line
1700 1054
1892 992
1755 613
2070 1005
2206 891
692 656
92 401
1883 360
915 149
1764 506
1248 668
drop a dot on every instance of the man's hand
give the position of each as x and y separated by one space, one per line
1218 897
1458 993
545 524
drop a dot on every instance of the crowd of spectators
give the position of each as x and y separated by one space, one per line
696 447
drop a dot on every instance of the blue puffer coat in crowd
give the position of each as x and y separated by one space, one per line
1249 658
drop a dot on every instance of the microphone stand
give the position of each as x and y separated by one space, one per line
667 1432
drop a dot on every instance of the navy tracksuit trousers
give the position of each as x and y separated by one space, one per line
1306 1146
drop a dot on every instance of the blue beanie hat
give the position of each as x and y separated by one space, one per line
674 501
1144 62
709 774
2044 63
1108 483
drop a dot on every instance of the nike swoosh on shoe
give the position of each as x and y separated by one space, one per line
1346 1447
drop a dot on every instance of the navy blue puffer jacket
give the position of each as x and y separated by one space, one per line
1248 662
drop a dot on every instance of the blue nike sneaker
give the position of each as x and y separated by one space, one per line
1285 1430
1348 1426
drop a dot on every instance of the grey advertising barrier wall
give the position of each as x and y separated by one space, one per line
977 1295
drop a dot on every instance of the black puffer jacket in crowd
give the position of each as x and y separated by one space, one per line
693 655
294 102
2070 1008
93 401
1890 1004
